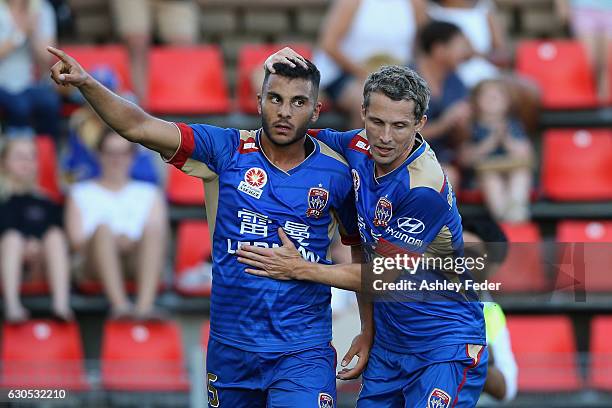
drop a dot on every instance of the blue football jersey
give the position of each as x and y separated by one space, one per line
247 200
410 210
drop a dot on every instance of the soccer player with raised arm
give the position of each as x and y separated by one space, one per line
269 341
429 351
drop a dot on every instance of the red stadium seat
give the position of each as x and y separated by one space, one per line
42 354
523 269
182 189
562 71
601 353
251 57
143 357
192 247
187 80
545 352
589 263
114 56
577 165
47 167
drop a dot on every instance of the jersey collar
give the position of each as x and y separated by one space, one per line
422 146
315 150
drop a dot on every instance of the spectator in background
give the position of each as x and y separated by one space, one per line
27 27
30 233
591 22
118 227
80 161
176 23
476 19
357 37
500 152
442 48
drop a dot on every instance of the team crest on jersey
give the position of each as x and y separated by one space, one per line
254 181
438 399
383 212
317 200
325 400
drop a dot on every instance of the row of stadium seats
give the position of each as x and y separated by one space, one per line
43 354
526 268
547 357
191 80
576 166
134 356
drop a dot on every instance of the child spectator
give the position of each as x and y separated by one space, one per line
118 227
27 27
31 239
500 152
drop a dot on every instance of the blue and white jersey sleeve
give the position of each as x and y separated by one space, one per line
210 145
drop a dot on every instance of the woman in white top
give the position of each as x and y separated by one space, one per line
476 18
356 36
118 226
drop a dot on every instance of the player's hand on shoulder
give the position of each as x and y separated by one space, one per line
360 347
276 263
67 71
285 56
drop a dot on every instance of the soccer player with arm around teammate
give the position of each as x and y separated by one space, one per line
270 341
429 350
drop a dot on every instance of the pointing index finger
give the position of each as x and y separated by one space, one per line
58 53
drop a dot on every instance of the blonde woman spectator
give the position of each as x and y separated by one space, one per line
591 22
137 21
358 35
118 227
31 239
500 152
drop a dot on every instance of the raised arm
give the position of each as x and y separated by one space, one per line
125 117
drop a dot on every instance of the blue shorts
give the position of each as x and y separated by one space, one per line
298 379
450 376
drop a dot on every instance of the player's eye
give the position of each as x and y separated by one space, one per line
274 99
299 103
399 125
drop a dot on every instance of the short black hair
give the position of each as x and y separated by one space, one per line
311 73
437 32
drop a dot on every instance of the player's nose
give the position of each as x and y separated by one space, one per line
284 110
385 136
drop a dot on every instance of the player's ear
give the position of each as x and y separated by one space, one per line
421 123
363 114
317 112
259 103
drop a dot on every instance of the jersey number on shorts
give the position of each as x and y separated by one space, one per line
213 395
